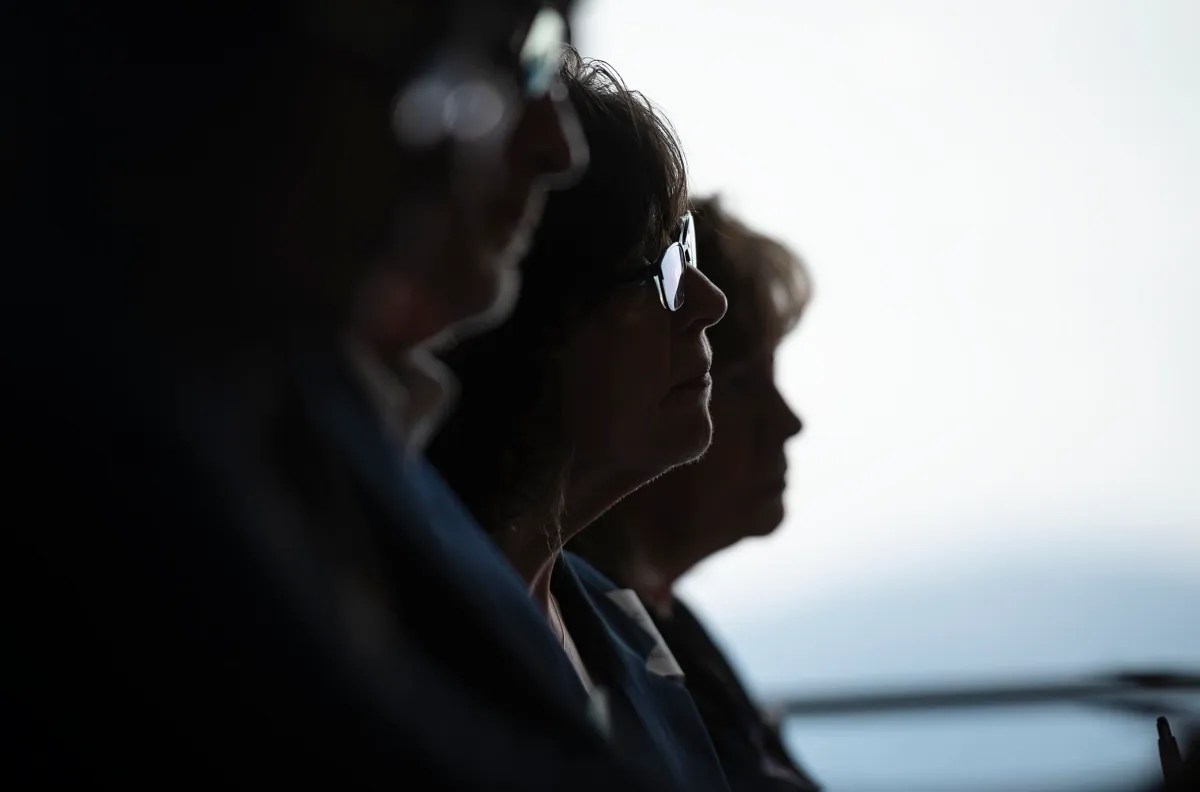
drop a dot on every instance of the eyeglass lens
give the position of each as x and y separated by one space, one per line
672 276
677 258
689 240
539 56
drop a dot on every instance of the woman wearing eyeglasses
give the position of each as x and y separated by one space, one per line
650 539
597 384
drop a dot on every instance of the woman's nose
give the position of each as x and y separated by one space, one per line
704 304
789 423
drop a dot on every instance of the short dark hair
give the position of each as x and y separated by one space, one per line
768 285
503 450
631 196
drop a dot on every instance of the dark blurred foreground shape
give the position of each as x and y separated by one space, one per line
224 570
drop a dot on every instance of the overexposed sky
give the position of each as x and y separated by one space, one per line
1000 202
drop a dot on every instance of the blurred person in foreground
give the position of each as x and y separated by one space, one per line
597 384
239 568
654 536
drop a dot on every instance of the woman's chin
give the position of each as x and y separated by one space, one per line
764 517
688 442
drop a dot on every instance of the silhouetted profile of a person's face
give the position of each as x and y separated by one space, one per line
459 214
635 379
736 489
746 462
266 168
733 492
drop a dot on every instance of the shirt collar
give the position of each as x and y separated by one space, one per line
411 394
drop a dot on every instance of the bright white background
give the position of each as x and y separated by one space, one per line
1000 373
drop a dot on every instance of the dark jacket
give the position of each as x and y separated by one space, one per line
652 719
749 747
234 578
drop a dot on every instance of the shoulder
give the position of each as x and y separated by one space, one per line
589 577
625 616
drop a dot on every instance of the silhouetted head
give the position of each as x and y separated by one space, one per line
248 165
736 489
594 383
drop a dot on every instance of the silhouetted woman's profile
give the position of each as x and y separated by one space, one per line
597 384
661 531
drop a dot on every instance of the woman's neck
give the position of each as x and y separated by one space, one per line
533 541
635 564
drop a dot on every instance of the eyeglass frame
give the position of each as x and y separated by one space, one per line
450 68
655 270
455 73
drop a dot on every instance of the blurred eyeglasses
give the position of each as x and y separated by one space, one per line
462 97
540 52
667 272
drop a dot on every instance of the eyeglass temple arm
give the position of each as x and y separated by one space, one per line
640 274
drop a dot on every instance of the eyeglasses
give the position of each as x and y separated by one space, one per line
462 98
540 52
667 272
